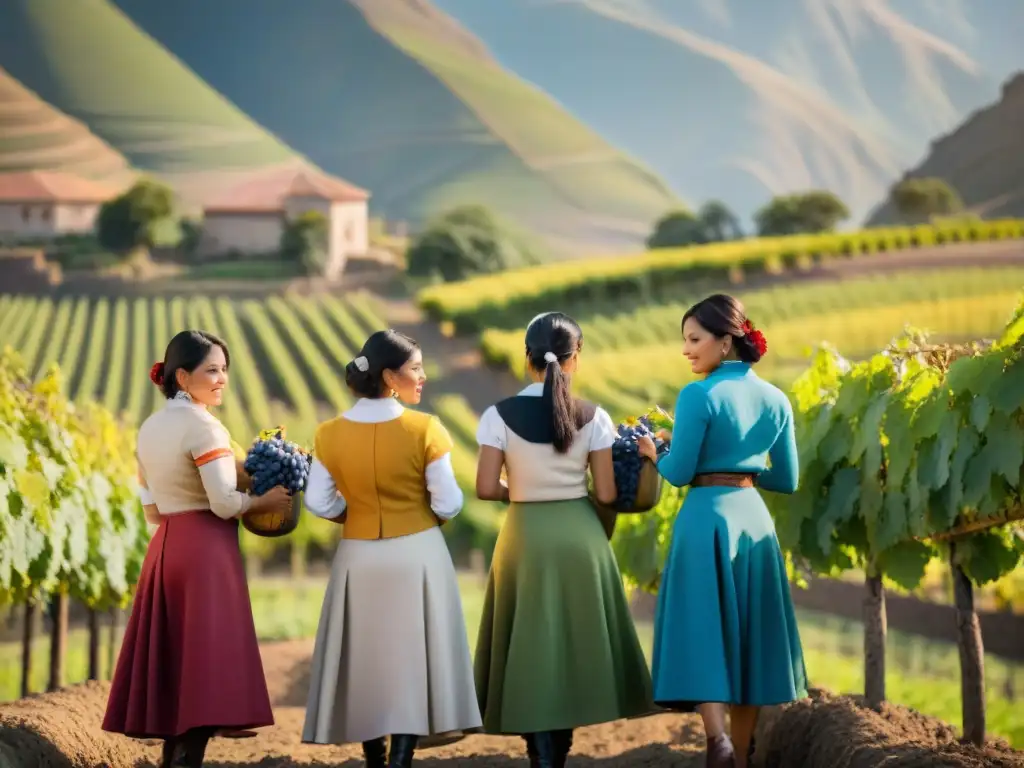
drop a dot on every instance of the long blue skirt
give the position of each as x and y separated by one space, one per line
725 630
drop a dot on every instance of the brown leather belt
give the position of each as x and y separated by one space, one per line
728 479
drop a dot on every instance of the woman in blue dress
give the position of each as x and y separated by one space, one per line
725 631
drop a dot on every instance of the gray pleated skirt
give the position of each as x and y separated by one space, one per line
391 649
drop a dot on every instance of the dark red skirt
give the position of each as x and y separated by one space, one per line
190 657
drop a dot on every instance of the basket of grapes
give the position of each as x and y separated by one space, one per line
636 478
271 461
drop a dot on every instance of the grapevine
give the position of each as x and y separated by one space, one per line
70 519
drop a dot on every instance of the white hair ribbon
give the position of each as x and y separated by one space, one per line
550 357
362 364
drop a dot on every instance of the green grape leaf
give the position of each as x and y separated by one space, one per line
905 563
917 511
987 556
842 501
967 444
1007 392
13 451
836 443
981 410
871 494
901 447
893 526
933 470
930 415
1006 440
868 427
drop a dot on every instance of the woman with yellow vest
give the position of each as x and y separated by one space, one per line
392 657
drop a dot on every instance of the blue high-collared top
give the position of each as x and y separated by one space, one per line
733 421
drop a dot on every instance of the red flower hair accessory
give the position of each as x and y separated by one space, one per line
156 374
756 338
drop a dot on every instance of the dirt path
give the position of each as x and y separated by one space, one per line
62 730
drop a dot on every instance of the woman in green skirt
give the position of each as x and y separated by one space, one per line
557 648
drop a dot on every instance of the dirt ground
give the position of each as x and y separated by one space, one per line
62 730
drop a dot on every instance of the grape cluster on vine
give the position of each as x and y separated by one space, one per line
626 459
274 461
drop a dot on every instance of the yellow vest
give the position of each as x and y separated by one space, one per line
380 470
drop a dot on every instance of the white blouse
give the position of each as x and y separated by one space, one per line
536 472
323 499
175 442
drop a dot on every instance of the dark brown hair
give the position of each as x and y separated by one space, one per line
384 351
723 315
562 336
186 351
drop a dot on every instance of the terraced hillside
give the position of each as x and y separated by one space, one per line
35 136
982 159
410 106
390 95
89 61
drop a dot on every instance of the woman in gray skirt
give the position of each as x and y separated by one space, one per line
391 657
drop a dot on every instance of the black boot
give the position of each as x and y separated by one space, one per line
563 741
546 747
402 747
531 749
375 752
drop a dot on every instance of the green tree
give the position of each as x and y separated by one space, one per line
304 242
677 229
719 222
804 213
921 199
465 241
139 219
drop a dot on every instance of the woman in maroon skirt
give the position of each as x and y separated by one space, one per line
190 664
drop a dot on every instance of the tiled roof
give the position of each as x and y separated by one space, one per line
52 187
266 193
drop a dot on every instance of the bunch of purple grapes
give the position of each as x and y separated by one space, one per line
627 461
274 462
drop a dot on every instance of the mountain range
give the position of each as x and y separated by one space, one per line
580 120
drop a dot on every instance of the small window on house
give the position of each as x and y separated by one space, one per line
45 214
26 213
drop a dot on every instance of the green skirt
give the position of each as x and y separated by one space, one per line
557 647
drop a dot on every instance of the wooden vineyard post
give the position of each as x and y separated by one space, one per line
875 626
972 654
28 630
94 644
115 616
58 641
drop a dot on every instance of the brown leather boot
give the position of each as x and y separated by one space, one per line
720 752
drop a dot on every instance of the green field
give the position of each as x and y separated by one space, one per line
856 316
922 674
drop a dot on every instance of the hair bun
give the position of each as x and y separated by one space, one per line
156 374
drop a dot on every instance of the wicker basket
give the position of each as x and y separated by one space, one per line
648 494
270 525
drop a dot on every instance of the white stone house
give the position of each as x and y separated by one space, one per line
48 204
251 218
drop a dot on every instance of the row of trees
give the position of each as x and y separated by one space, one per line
915 200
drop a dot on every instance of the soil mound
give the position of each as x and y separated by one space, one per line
62 730
843 732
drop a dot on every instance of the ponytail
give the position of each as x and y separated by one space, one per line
552 339
558 401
